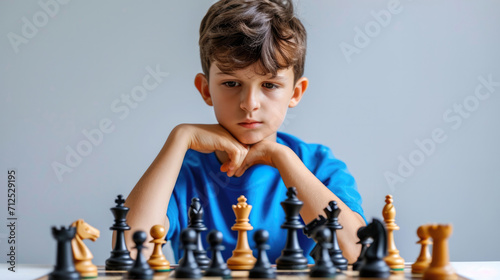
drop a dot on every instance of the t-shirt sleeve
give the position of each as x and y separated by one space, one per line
334 174
173 217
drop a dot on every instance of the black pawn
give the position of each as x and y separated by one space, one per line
262 268
292 256
120 257
217 267
141 269
324 267
65 268
332 214
364 241
188 267
195 214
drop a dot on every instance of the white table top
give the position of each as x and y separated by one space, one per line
472 270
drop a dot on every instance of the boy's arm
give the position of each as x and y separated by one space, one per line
310 190
148 201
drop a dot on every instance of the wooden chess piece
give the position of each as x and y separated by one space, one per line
440 267
242 258
393 259
157 261
424 259
64 268
81 254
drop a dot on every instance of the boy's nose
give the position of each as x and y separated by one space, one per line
250 100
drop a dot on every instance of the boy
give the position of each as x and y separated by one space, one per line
252 55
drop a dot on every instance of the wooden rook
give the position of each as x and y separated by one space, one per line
440 267
242 258
424 258
393 259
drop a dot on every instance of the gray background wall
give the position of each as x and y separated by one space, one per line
400 80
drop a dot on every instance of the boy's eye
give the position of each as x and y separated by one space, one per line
269 85
231 84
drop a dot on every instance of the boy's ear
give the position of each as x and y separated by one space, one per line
298 91
201 83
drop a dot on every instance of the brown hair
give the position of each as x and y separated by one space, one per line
237 33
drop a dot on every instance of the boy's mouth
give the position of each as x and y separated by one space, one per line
250 124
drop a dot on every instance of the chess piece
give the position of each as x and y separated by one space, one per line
217 266
292 256
309 230
393 259
364 241
440 267
188 267
120 257
373 265
141 269
64 269
195 214
242 258
324 266
157 261
332 213
424 258
262 268
82 256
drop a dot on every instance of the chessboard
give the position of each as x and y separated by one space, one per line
348 274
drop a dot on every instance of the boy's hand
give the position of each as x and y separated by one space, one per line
259 153
207 138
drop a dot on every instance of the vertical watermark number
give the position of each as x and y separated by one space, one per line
11 219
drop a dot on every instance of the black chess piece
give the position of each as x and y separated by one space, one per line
364 241
262 267
195 214
324 267
373 264
332 212
120 257
141 268
292 256
65 268
309 230
217 267
188 267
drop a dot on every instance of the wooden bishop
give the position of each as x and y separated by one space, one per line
424 259
393 259
242 258
157 261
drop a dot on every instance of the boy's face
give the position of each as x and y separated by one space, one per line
249 105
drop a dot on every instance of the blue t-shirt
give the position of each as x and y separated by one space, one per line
200 176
